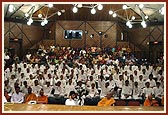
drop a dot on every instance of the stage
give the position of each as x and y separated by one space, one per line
10 107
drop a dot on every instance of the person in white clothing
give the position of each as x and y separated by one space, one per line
72 99
69 87
151 81
36 88
17 97
126 92
158 92
147 90
137 92
93 92
47 88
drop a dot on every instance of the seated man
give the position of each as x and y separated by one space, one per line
71 100
17 97
126 92
107 100
30 96
150 101
42 99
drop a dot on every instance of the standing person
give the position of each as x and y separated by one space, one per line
107 100
71 100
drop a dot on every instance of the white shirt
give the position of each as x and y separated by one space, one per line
17 98
69 88
36 89
158 91
47 90
147 91
70 102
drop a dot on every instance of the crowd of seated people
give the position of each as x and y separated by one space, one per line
49 75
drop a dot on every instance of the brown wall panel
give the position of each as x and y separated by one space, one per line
30 35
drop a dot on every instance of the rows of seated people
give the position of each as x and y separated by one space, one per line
53 73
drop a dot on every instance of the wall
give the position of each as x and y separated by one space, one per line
29 35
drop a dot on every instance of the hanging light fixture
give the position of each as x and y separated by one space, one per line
40 15
11 8
26 15
59 13
124 7
146 17
75 9
45 21
93 11
110 12
50 5
42 23
133 17
114 15
141 6
100 7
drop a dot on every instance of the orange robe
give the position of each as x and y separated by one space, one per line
147 102
30 97
42 99
106 102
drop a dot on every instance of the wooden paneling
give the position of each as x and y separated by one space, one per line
30 35
62 108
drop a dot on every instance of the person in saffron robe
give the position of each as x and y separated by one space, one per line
149 101
30 96
42 99
107 100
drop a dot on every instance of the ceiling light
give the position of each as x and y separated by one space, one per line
110 12
143 23
59 13
29 23
26 15
130 26
124 7
128 23
114 15
79 5
75 9
162 11
40 15
45 21
100 7
146 17
93 11
11 8
30 20
50 5
141 6
144 26
133 17
42 23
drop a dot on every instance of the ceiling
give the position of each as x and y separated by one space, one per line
84 13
